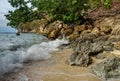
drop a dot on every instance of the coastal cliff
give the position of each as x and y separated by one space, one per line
97 38
99 22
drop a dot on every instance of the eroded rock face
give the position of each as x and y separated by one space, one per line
109 68
73 36
89 45
67 31
117 45
116 26
80 56
106 25
83 52
53 34
79 28
79 59
52 31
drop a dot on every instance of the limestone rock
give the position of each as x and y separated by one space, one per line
83 51
106 25
66 31
53 34
95 31
106 29
79 59
85 32
96 47
104 55
117 45
109 68
114 38
79 28
73 36
116 27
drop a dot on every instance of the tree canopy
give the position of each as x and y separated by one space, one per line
69 11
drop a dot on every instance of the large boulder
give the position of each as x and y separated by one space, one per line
79 59
73 36
83 51
79 28
117 45
83 38
67 31
108 68
104 55
53 34
51 30
106 25
95 31
116 27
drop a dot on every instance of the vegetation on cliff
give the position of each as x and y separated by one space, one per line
90 27
65 10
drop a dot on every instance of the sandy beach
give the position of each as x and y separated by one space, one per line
53 69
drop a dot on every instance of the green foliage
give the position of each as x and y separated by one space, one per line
17 3
65 10
106 3
18 16
69 11
21 14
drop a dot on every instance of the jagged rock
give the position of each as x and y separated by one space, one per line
52 30
95 31
106 29
104 55
53 34
79 59
117 45
109 68
79 28
101 38
106 25
108 47
114 38
85 32
116 30
67 31
83 51
96 47
83 38
43 31
87 36
73 36
116 27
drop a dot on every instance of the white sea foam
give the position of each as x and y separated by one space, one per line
15 59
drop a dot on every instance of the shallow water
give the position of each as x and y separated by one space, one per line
17 50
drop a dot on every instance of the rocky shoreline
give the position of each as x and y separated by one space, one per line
98 37
53 69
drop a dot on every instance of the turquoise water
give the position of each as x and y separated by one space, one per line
24 40
12 48
17 50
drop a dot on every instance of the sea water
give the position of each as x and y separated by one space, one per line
17 50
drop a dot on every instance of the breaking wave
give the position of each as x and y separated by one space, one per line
14 59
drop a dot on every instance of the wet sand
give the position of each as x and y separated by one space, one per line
53 69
